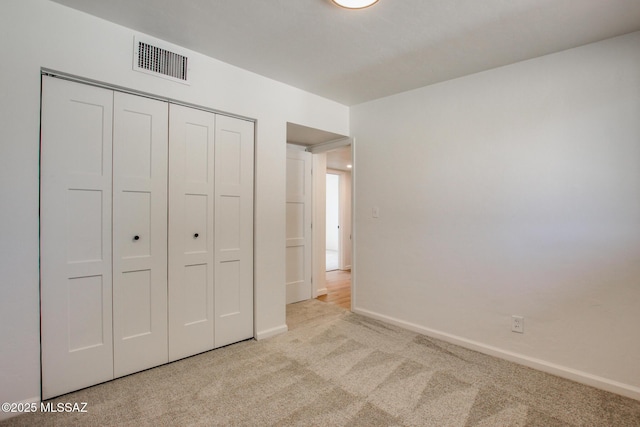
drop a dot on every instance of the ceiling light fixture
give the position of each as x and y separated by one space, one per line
354 4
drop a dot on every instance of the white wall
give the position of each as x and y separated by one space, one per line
512 191
38 33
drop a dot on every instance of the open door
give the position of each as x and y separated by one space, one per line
298 229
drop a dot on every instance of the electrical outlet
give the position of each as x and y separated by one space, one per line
517 324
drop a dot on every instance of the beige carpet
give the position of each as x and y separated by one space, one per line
335 368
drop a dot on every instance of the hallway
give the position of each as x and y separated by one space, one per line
338 284
332 260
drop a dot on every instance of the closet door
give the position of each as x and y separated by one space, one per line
139 233
191 231
75 236
233 230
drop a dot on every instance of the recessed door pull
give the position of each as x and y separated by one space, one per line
195 236
136 237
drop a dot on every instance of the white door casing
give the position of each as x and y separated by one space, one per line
233 293
298 227
75 236
140 145
191 231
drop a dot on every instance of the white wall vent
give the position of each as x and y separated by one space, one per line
161 59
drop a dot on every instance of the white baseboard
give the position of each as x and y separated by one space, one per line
531 362
261 335
321 292
7 415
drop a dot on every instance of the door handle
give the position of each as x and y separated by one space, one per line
136 237
195 236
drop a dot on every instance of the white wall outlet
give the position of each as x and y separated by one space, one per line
375 212
517 324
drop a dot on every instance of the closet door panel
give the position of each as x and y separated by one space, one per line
234 230
139 233
135 210
191 231
75 236
197 218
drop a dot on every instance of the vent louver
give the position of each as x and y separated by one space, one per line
157 58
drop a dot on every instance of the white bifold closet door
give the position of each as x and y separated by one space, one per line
146 244
191 231
210 231
233 295
75 236
103 235
139 233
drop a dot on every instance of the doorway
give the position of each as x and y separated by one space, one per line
338 242
332 222
330 153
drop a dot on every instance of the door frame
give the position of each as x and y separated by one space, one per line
318 287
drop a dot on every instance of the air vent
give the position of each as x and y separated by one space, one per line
160 59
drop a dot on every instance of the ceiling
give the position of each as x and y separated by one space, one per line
339 159
306 136
356 56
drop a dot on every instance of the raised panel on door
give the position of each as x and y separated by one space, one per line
298 227
75 236
139 233
234 150
191 231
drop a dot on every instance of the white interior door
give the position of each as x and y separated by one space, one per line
234 139
75 236
139 233
191 231
298 237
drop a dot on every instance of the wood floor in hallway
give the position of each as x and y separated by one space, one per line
338 284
